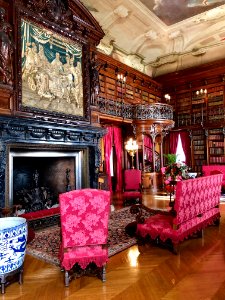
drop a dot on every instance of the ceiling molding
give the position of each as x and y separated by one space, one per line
136 36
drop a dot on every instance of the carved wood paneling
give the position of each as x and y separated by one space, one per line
6 98
71 20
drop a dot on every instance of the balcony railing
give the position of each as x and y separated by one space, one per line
153 111
139 112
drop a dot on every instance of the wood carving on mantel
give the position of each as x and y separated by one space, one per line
6 50
54 10
94 78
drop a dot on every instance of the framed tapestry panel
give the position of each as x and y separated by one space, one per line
52 72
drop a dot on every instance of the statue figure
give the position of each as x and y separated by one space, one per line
36 178
68 187
94 78
6 49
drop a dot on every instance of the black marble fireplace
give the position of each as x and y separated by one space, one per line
37 177
50 157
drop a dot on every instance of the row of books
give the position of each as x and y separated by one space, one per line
200 161
201 152
216 144
216 137
199 157
216 151
198 140
197 148
215 94
217 159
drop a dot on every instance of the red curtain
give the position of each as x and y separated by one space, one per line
173 141
148 147
117 134
108 138
114 135
186 144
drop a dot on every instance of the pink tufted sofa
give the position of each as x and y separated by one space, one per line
196 206
213 169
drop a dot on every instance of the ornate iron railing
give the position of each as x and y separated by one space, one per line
140 112
153 111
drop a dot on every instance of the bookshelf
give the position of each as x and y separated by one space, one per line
203 108
199 153
199 107
129 95
107 87
112 89
183 101
215 103
216 146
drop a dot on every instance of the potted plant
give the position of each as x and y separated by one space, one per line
171 158
175 170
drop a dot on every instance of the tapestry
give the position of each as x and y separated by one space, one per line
52 77
46 244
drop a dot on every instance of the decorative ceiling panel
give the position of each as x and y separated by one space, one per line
161 36
174 11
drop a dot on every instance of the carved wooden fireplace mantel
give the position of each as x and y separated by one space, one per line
17 133
45 94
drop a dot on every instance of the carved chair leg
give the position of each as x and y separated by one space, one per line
175 248
3 282
21 277
104 273
200 233
141 241
217 222
101 273
67 278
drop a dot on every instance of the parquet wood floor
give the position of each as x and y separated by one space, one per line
144 273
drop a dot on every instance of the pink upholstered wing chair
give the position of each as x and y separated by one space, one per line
215 169
132 185
84 218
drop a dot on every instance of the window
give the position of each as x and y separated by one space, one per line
111 163
180 151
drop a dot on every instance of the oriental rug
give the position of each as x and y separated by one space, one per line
45 245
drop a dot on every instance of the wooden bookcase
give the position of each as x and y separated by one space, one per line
216 103
194 109
199 153
198 108
216 146
183 101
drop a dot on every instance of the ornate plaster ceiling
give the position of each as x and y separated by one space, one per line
161 36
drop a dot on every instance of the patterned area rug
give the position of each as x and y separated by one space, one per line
46 244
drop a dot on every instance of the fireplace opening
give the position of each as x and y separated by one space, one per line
38 177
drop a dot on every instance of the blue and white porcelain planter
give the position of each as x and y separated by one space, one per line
13 239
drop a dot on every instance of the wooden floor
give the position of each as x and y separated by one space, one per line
198 272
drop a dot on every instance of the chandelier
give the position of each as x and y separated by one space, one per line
201 92
203 95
